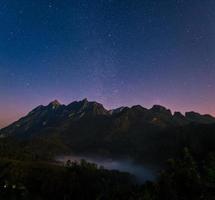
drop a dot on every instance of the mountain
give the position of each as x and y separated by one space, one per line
56 115
137 132
196 117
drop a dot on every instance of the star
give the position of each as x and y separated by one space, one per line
50 5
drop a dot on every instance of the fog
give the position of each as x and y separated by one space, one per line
141 172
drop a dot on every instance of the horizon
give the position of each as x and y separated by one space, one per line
119 53
9 122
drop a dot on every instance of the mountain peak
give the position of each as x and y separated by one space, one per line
196 117
178 114
159 108
85 100
55 102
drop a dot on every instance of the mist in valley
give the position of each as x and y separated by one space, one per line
142 173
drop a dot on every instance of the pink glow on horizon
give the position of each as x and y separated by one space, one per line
11 113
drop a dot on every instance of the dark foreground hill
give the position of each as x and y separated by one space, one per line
146 135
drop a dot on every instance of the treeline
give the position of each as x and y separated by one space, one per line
183 179
44 181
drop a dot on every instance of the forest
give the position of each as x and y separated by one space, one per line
25 176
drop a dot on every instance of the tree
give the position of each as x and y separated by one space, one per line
181 180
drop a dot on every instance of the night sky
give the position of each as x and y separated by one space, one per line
116 52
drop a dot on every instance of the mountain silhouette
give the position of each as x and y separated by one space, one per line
85 126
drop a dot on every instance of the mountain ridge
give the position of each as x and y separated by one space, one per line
156 107
78 109
84 126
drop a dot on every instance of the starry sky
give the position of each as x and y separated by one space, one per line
116 52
